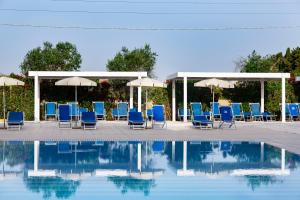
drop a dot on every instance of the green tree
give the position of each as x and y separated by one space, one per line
139 59
61 57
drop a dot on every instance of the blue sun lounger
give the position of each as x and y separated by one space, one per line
136 120
159 116
74 109
64 117
237 111
180 114
88 120
226 117
196 108
294 111
50 110
121 111
15 120
215 111
149 114
260 116
99 109
201 121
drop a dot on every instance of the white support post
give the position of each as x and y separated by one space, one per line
139 98
36 99
173 101
262 96
282 159
36 155
184 167
185 99
262 152
283 99
173 150
131 97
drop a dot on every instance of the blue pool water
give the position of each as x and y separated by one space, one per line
147 170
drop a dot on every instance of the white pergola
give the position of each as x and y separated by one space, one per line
235 76
56 75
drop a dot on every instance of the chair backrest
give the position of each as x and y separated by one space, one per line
226 113
122 108
181 113
255 108
150 112
88 116
196 108
236 109
15 116
50 108
74 108
135 116
134 109
158 146
98 107
64 112
287 109
294 110
158 113
214 106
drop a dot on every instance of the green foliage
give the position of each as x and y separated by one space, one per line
62 57
160 96
141 59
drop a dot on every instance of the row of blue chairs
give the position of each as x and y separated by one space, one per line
156 115
238 114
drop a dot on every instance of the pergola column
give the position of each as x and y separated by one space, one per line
173 100
262 96
283 99
139 98
185 99
131 97
139 157
36 99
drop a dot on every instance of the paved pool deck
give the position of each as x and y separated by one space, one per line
283 135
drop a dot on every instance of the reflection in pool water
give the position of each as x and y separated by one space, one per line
77 170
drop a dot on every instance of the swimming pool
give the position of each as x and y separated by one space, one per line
150 170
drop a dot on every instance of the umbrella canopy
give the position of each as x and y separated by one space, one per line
147 82
7 81
213 82
75 81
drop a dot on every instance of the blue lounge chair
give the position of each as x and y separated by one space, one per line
81 110
260 116
88 120
196 108
202 122
294 111
158 146
158 115
214 109
237 111
136 120
15 120
99 109
74 109
149 114
121 112
226 117
64 115
50 110
180 113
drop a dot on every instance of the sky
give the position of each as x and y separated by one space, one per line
189 50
